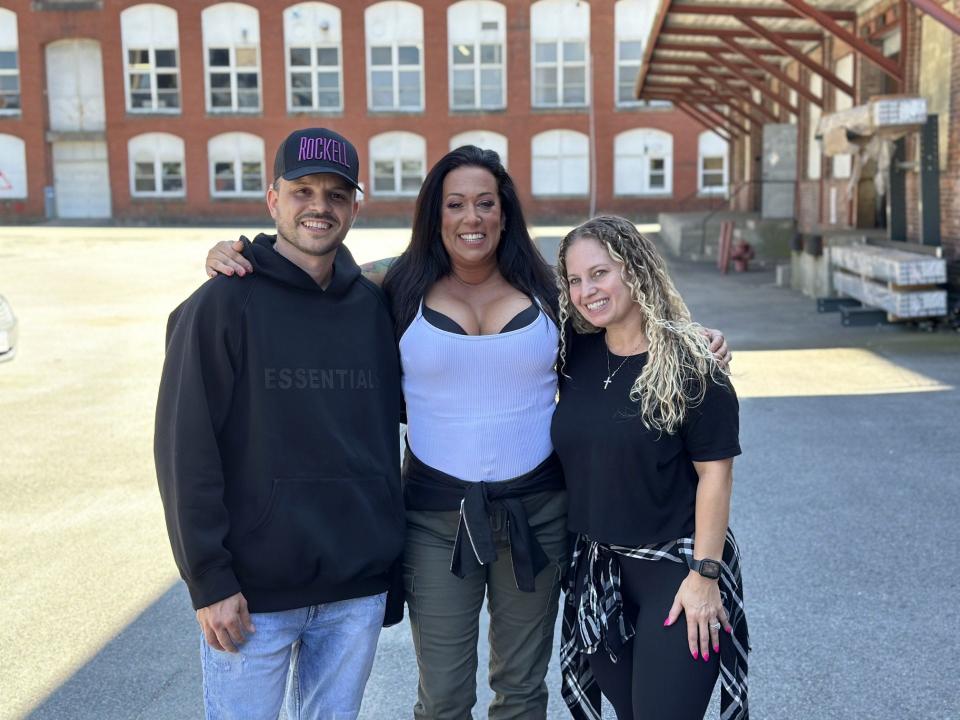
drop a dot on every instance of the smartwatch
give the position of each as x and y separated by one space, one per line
706 567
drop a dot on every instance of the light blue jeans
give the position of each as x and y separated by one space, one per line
318 657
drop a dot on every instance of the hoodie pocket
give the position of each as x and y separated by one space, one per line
321 530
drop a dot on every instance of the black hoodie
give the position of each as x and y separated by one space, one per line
276 440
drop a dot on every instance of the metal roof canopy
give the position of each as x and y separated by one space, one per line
734 46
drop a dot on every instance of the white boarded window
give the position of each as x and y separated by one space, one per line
236 165
632 23
9 65
13 167
156 165
643 163
842 164
712 154
560 47
394 32
314 54
231 49
561 163
814 155
398 162
483 139
477 33
151 58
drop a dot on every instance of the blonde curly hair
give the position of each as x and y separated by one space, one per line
674 378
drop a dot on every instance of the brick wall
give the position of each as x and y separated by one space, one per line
437 124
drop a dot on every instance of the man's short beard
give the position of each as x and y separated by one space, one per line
308 251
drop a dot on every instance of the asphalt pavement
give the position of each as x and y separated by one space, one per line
845 502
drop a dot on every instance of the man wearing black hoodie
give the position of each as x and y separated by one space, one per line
277 457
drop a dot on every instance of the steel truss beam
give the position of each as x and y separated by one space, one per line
756 11
938 13
709 123
773 70
761 86
804 59
799 35
865 49
723 81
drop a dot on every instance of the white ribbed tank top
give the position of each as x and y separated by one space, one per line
479 406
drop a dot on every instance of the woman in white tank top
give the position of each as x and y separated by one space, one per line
475 306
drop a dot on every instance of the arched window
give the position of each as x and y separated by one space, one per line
712 152
477 33
151 58
643 163
632 22
13 167
9 64
313 38
236 165
560 40
394 33
156 165
231 46
484 139
561 163
397 163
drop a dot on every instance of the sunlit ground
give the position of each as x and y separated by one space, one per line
85 550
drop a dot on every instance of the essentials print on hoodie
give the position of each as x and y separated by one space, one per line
276 440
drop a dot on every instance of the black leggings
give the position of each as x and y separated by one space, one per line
656 678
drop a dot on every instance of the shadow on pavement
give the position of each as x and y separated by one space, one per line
150 670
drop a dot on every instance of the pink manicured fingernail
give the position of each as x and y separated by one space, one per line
716 648
666 622
730 630
696 654
706 657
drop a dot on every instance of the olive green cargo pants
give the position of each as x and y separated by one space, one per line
445 614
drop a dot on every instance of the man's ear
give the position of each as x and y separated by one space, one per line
356 210
272 198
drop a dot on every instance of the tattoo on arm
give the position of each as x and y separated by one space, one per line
377 267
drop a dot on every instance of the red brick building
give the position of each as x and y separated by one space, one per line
173 110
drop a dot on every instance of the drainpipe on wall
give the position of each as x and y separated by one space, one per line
593 141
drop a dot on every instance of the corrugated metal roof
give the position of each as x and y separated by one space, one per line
690 30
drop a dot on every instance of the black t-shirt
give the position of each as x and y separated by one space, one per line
629 485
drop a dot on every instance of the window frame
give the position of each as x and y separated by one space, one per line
478 67
646 160
152 71
395 70
313 69
313 26
236 161
232 69
560 65
158 158
397 161
14 72
561 191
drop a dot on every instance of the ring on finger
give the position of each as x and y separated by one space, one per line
716 626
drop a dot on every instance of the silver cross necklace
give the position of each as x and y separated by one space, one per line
606 383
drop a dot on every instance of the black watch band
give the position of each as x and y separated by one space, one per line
706 567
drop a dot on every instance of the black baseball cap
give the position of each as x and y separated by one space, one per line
316 150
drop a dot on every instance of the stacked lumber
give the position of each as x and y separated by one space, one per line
905 284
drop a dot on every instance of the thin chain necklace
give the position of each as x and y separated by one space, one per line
606 383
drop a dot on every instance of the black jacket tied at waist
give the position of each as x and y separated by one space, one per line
426 488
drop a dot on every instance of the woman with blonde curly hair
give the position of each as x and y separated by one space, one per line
646 429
